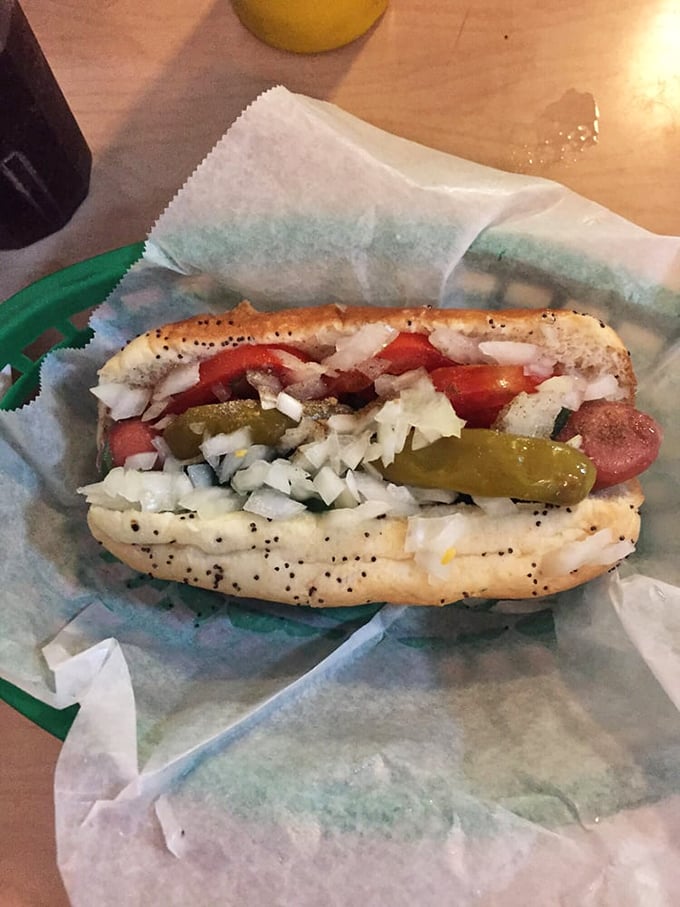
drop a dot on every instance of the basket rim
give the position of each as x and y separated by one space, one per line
24 318
49 303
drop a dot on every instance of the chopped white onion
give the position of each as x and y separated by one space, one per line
304 380
279 475
393 427
310 389
456 346
433 540
229 465
437 419
510 352
351 485
359 346
433 495
568 390
350 423
301 485
289 406
210 502
225 443
328 484
141 461
345 500
123 401
152 491
252 477
163 448
353 448
299 369
267 386
420 407
172 464
351 515
179 379
392 385
272 504
597 549
241 458
533 415
314 454
201 475
535 360
399 499
317 453
606 386
496 507
306 430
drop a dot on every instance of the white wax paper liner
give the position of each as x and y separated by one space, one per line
235 752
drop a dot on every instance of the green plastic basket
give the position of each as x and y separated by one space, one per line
38 319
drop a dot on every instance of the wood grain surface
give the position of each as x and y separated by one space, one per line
586 92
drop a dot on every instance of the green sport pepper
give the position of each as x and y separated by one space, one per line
185 434
488 463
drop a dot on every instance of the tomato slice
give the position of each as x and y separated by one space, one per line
404 353
409 351
348 384
129 437
229 366
479 392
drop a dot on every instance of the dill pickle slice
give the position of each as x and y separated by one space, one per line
185 434
488 463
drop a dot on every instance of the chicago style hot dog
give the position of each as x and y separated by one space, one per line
337 455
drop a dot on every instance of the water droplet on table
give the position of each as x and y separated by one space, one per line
560 134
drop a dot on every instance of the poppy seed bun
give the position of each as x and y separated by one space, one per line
329 559
336 558
575 340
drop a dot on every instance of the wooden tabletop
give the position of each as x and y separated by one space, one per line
583 91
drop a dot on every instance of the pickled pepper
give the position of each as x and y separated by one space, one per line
488 463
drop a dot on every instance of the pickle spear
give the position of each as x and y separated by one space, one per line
186 433
488 463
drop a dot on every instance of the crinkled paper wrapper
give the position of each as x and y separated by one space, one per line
243 753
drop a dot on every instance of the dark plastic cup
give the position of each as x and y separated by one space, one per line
45 162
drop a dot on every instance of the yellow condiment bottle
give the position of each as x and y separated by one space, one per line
308 26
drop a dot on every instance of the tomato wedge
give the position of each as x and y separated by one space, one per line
406 352
129 437
229 366
349 384
479 392
409 351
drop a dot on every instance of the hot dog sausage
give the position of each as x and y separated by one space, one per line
620 440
